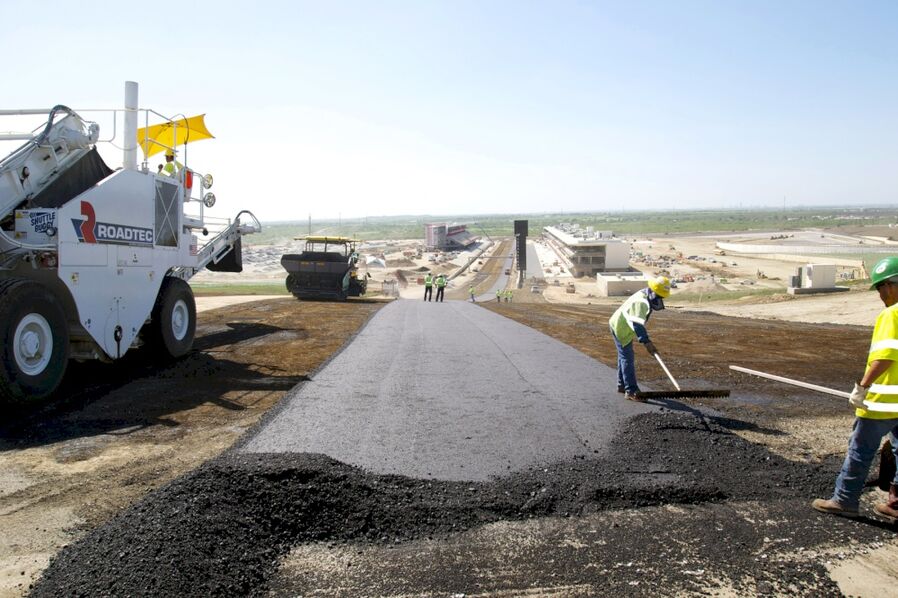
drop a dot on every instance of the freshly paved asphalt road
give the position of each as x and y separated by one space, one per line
500 283
450 391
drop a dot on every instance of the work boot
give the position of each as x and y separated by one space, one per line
889 510
833 508
621 389
634 396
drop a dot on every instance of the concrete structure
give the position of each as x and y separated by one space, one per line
815 278
448 236
620 283
587 254
818 276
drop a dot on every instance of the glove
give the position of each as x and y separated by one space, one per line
650 347
857 396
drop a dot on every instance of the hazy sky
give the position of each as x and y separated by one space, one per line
426 107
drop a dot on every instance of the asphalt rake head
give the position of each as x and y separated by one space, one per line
683 394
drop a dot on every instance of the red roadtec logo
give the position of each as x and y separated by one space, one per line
91 231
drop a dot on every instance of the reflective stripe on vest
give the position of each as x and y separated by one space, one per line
631 318
884 346
886 389
888 343
636 309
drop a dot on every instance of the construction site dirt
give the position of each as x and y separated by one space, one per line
127 487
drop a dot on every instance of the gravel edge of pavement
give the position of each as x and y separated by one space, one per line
223 528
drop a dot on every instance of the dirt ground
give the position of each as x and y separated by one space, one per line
699 347
120 432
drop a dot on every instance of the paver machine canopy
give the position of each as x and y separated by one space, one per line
326 269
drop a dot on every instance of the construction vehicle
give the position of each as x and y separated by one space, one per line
326 269
94 261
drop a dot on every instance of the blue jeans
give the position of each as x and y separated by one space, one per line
626 366
862 448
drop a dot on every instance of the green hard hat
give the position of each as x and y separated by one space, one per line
884 269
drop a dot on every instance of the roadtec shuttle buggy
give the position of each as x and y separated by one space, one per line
94 261
326 269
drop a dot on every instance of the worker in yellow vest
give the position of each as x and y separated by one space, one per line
172 167
628 324
875 399
498 295
441 286
471 292
428 287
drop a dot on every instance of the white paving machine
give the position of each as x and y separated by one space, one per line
94 261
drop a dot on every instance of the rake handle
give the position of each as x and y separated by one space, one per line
868 405
784 380
657 356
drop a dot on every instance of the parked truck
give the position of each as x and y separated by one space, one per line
93 261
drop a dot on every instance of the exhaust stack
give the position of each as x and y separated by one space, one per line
130 141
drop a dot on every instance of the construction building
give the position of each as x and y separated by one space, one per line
445 236
585 252
615 284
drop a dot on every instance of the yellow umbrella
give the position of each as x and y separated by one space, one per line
156 139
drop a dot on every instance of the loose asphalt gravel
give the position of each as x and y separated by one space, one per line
371 451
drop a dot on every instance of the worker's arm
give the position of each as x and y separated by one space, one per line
642 335
876 369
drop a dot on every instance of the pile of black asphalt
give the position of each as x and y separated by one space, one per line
221 529
442 418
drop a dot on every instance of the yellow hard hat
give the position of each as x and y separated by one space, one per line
169 153
660 285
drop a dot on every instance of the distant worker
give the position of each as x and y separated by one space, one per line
471 292
628 323
507 295
874 398
428 287
441 286
510 296
498 295
172 167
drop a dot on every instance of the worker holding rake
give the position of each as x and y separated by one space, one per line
628 323
877 417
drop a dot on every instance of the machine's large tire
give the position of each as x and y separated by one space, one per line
292 282
173 321
35 340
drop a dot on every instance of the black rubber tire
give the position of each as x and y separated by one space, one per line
291 283
170 335
33 307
